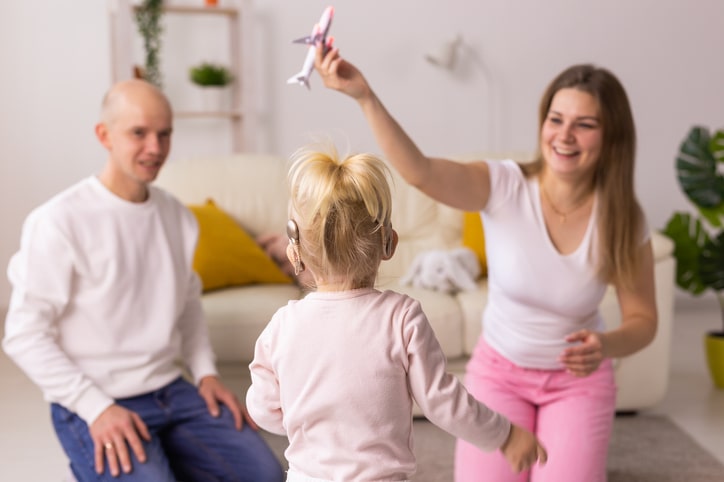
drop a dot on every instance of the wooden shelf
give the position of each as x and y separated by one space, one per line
189 9
123 31
208 114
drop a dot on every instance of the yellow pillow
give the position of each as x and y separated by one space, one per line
226 255
474 238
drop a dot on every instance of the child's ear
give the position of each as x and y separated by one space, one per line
390 243
294 258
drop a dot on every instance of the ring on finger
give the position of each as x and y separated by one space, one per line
108 445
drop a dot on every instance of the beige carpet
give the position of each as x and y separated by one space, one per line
644 448
654 449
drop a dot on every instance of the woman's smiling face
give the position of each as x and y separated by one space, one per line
572 134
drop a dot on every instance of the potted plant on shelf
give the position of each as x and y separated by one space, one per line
699 240
214 80
148 21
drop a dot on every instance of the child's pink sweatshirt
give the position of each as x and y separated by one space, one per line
337 372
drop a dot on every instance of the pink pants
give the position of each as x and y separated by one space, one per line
572 417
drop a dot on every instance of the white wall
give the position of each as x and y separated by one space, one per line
54 73
667 53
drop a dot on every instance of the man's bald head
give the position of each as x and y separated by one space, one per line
132 93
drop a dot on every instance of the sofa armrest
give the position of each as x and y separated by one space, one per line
642 378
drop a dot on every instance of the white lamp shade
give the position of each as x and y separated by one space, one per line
445 54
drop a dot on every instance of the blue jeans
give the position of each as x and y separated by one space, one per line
187 443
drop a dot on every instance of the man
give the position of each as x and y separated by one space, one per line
104 306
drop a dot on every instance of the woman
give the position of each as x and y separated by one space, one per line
558 231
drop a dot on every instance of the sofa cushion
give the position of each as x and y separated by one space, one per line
226 255
474 238
236 317
250 187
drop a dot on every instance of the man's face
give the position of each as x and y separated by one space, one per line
138 138
141 139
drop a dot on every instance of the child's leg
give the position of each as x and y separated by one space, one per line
575 427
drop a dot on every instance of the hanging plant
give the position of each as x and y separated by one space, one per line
148 20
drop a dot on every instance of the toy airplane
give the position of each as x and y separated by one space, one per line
319 34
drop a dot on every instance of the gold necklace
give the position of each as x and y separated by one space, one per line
562 215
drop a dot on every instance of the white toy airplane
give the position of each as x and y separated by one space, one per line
319 34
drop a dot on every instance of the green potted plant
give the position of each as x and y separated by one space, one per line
148 21
699 240
214 80
207 74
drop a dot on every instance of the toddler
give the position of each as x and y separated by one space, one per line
337 371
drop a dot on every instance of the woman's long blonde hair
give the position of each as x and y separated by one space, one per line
620 218
343 210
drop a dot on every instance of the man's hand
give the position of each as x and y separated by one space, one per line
115 429
213 391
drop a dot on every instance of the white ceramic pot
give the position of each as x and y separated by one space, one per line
215 99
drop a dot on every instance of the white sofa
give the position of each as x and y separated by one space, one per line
252 189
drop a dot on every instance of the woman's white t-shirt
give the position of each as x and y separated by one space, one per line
537 296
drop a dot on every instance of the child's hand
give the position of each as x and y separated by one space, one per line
523 449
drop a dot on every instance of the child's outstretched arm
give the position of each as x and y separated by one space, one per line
446 403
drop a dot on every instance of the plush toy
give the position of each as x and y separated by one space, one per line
448 271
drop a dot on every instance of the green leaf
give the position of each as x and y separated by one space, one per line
696 168
714 215
711 263
689 238
716 146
